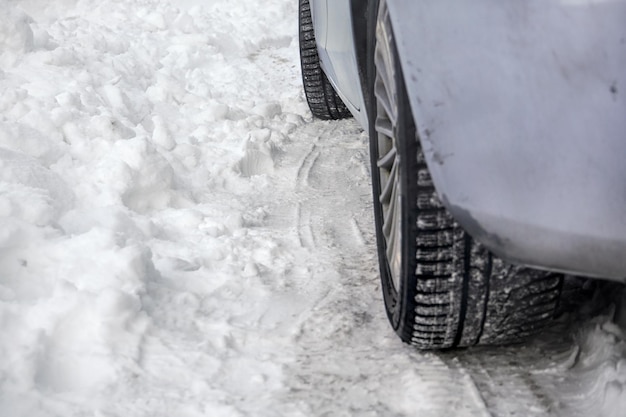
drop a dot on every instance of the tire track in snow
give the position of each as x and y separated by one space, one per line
347 357
307 238
347 360
555 373
496 383
304 170
336 162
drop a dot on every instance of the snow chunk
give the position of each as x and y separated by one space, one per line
260 154
267 110
160 134
16 35
30 191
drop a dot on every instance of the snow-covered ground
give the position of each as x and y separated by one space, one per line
179 238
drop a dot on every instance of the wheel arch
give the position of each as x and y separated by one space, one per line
363 23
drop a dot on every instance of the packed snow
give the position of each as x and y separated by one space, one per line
178 237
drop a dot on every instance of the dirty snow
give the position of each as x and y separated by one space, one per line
179 238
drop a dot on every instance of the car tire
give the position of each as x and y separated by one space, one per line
321 96
441 288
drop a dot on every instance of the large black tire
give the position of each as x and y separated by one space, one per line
321 96
441 288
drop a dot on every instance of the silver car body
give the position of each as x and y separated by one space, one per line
521 111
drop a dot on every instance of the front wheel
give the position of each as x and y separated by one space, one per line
441 288
321 96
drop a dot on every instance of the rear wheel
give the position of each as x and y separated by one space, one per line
441 288
321 96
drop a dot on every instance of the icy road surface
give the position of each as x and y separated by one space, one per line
179 238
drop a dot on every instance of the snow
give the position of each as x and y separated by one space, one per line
178 237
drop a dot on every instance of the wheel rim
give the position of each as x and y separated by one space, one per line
388 162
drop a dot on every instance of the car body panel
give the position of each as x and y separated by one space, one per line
521 111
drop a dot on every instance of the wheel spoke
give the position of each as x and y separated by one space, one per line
384 102
387 161
392 204
394 247
395 257
384 126
390 186
384 64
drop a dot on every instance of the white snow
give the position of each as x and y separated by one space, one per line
179 238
